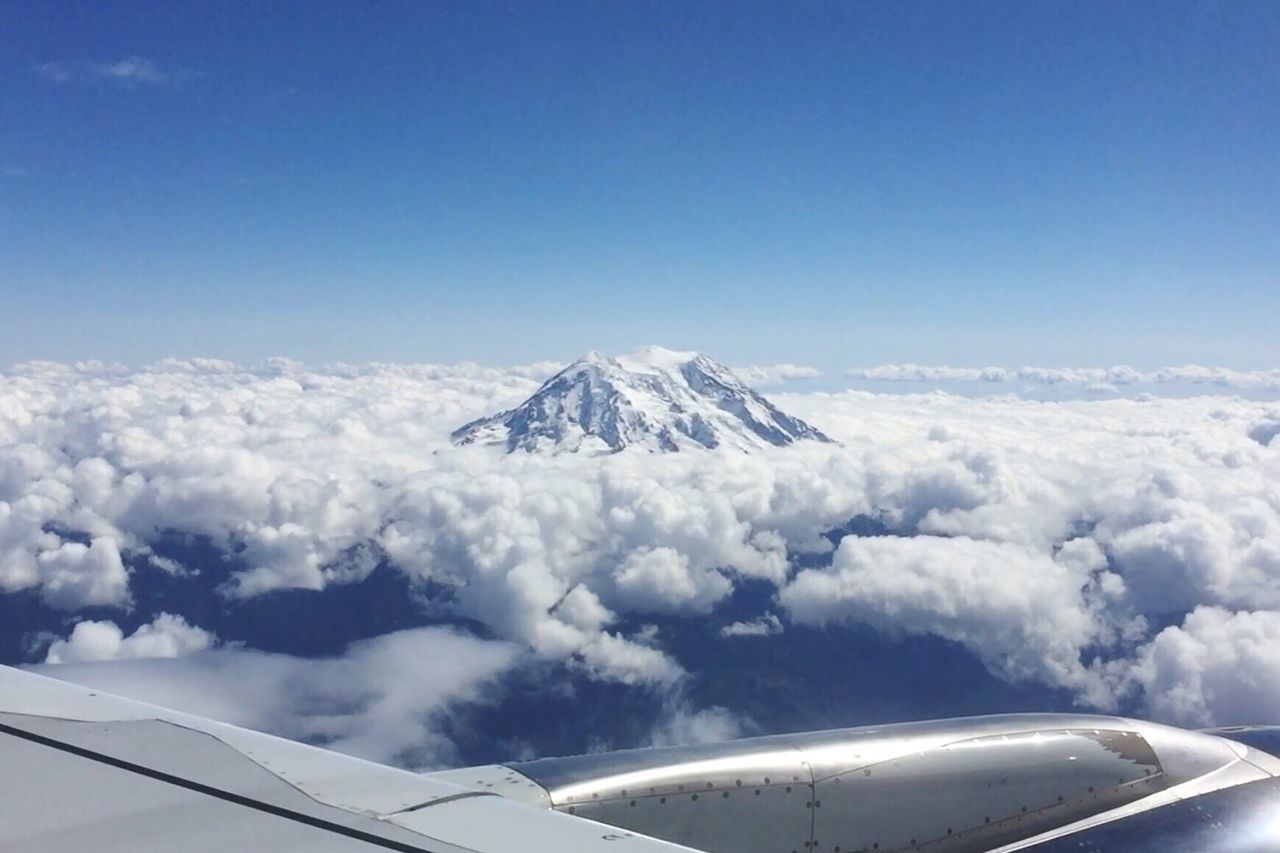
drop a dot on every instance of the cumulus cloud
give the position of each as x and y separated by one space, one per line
764 626
1040 535
1097 379
130 71
681 726
77 575
385 699
661 580
166 636
769 375
1026 615
1217 667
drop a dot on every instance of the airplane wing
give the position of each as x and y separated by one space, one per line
83 771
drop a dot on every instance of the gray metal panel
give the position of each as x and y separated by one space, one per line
183 753
497 779
776 817
54 802
1247 765
972 794
494 823
559 773
128 777
163 748
342 781
960 785
737 796
869 743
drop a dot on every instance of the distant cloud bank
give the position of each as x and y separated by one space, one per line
757 375
1098 377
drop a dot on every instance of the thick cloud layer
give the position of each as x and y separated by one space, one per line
1046 537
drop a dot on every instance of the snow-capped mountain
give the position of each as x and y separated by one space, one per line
653 398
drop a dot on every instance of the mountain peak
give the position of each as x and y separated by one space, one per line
656 398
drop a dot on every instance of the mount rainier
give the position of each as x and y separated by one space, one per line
655 398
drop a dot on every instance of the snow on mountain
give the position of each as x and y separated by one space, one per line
654 398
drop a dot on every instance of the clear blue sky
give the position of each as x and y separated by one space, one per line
852 183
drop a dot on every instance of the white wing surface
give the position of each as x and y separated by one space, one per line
82 771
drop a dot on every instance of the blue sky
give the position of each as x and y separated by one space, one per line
855 183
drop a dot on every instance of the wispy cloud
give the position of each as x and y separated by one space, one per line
775 374
384 699
1192 374
130 72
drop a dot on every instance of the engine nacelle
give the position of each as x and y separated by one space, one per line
969 784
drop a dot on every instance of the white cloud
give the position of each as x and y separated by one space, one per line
384 699
166 636
581 608
768 375
539 370
312 475
1096 379
1217 667
660 580
1221 376
924 373
682 725
765 626
130 71
77 575
1026 615
613 658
